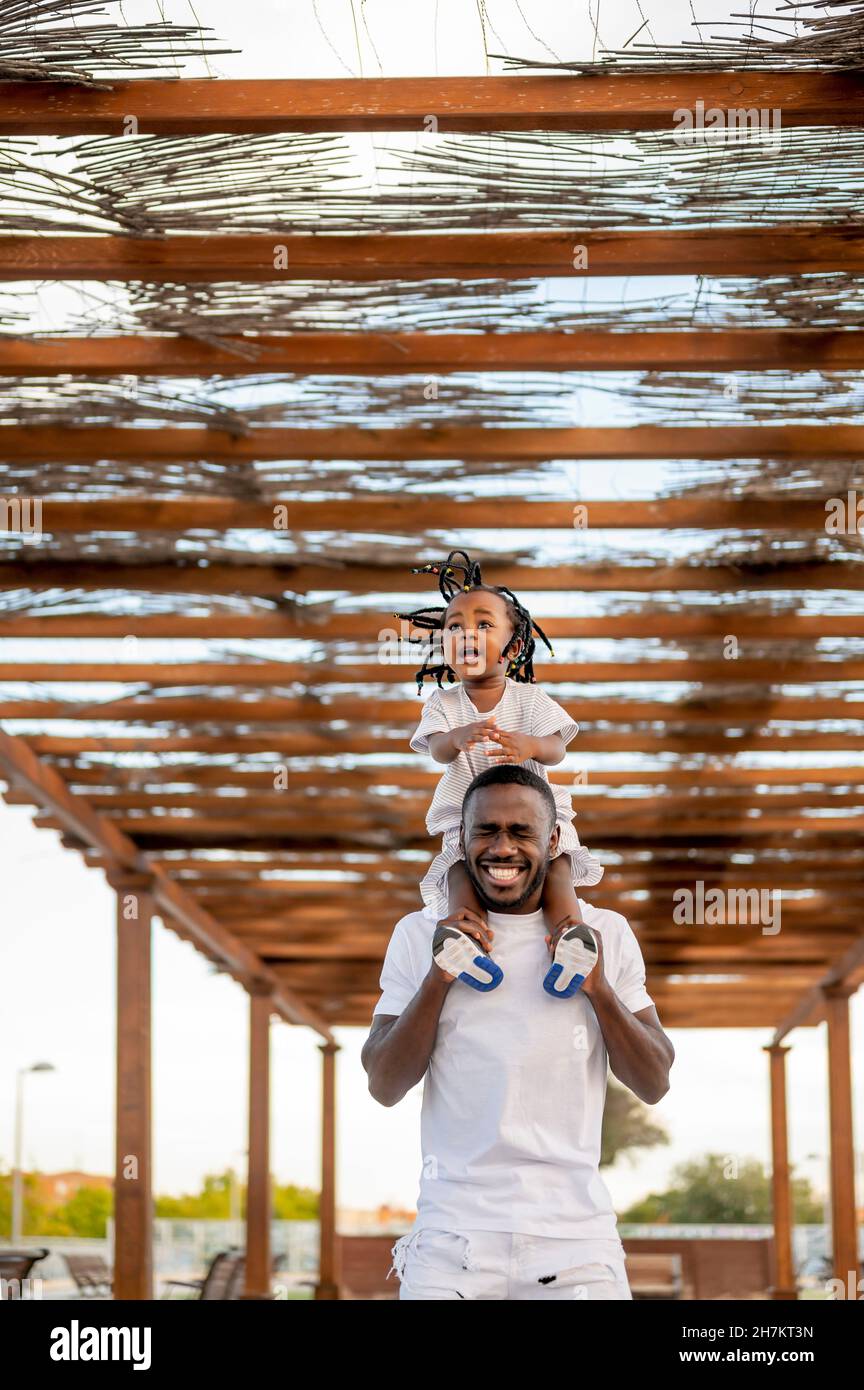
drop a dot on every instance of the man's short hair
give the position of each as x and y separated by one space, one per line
513 772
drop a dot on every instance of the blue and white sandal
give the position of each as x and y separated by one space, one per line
575 958
459 955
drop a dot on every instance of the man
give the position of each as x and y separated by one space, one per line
511 1202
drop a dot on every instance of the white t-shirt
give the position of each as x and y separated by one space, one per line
523 708
514 1093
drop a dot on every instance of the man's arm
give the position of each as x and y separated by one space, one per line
396 1053
640 1053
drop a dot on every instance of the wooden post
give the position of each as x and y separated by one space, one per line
258 1184
785 1286
133 1194
328 1259
843 1224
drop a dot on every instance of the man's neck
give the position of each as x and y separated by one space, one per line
522 912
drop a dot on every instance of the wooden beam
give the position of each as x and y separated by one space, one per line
710 836
743 250
469 442
409 776
275 580
258 1198
331 743
215 830
20 766
329 1273
388 354
844 1222
811 1006
594 808
406 514
785 1286
641 622
267 674
133 1165
584 102
395 712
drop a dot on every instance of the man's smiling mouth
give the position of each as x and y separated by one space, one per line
503 873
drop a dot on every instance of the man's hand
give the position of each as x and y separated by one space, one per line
595 982
466 921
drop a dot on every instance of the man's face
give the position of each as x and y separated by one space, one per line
507 842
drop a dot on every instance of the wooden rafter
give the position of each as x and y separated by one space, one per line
748 250
405 714
607 101
407 514
82 444
370 353
330 743
641 622
266 674
272 581
410 777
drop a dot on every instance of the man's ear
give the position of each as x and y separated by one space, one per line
553 839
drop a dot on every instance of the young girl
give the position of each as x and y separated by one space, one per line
496 714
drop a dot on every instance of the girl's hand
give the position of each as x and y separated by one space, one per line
467 734
514 747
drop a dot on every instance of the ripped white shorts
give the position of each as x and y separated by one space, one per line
431 1263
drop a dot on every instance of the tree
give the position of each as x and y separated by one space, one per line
720 1189
87 1212
292 1203
627 1125
213 1202
33 1214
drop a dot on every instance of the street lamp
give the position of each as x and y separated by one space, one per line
17 1174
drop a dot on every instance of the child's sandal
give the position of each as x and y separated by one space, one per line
575 958
459 955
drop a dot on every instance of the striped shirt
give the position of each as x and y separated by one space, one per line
523 708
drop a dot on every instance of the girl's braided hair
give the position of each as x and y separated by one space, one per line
455 576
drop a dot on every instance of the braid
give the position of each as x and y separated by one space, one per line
520 667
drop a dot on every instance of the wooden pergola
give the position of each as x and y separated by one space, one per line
294 887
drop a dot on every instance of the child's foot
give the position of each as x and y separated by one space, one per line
458 955
575 958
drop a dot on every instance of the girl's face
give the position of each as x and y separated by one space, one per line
475 633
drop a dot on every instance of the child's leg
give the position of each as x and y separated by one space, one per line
559 898
573 950
460 890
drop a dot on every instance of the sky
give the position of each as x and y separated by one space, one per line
57 917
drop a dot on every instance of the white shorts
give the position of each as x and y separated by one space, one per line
432 1263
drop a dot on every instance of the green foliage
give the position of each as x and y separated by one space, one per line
292 1203
719 1189
85 1214
87 1211
213 1203
33 1215
627 1124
